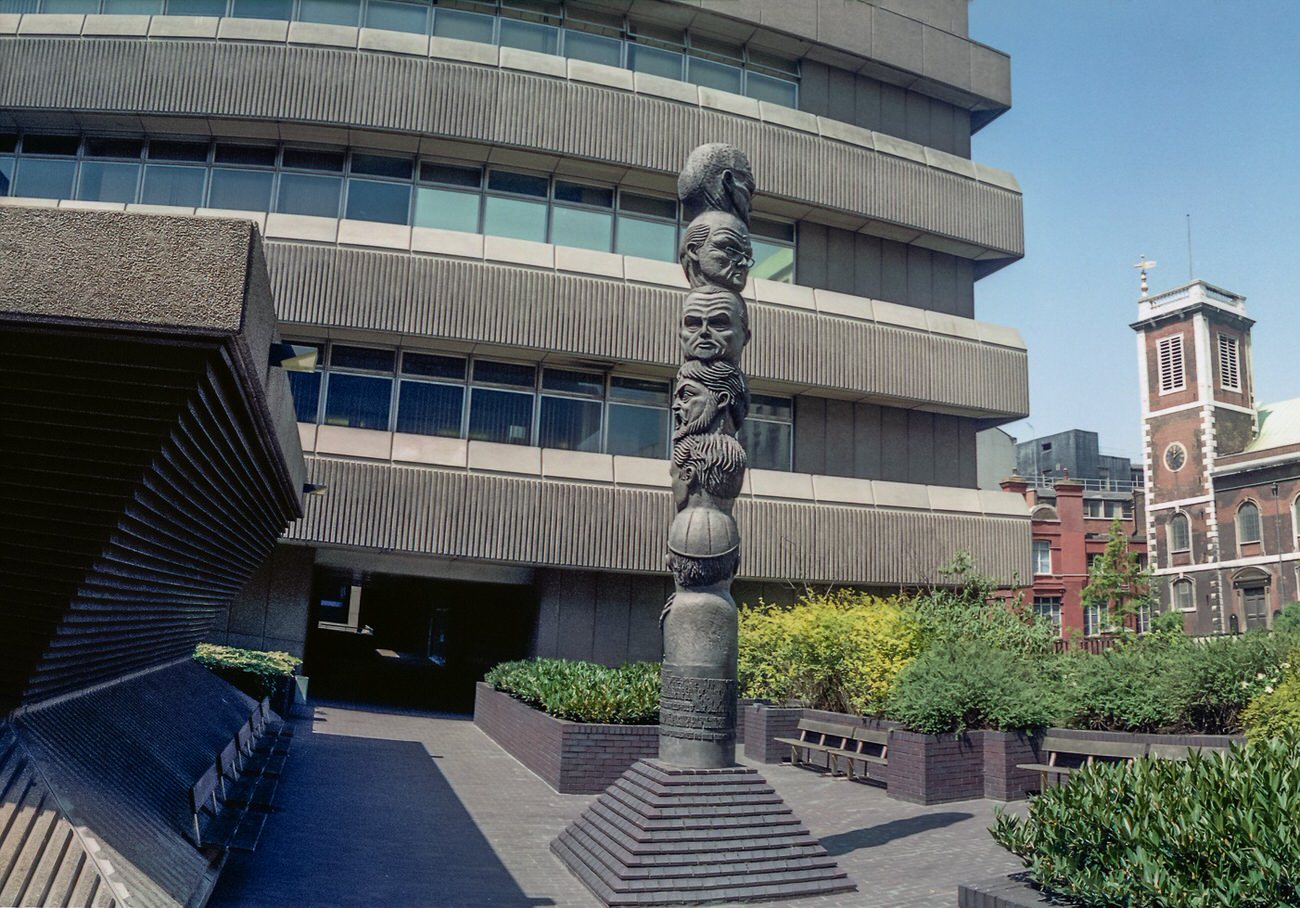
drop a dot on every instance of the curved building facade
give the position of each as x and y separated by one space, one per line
469 209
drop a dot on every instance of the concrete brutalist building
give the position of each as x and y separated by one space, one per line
469 208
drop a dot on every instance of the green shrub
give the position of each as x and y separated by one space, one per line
954 686
1213 831
1138 687
1289 621
1168 624
583 691
1275 713
838 651
255 672
1226 674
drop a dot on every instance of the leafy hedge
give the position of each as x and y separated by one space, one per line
255 672
583 691
1217 830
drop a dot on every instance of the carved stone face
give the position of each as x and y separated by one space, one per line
723 257
714 325
738 183
696 409
716 176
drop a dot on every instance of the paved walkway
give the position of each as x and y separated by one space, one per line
408 810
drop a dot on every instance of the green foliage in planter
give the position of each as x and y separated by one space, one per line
583 691
1275 713
1226 674
1218 830
838 651
954 686
255 672
1289 621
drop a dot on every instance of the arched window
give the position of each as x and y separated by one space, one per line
1248 523
1180 533
1184 598
1295 518
1044 512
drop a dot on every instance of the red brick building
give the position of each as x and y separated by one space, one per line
1223 474
1068 534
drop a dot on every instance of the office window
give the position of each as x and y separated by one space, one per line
1169 356
311 183
305 387
516 206
638 417
763 87
1180 534
1183 595
501 403
583 45
1229 364
773 244
398 16
1097 619
647 227
196 7
330 12
353 397
712 74
464 26
1248 529
1048 608
379 189
534 36
582 216
47 168
656 61
431 396
570 410
768 432
448 197
1042 556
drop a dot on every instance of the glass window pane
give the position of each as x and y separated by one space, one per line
500 416
782 231
596 196
8 143
767 444
647 239
529 36
380 165
648 204
54 145
134 7
6 173
108 181
573 382
263 9
113 148
594 48
373 200
349 357
312 159
518 183
165 185
240 190
433 365
425 408
193 152
359 401
397 16
766 406
451 175
504 373
766 88
515 218
196 7
446 209
455 23
569 424
306 394
639 391
70 6
582 228
773 262
330 12
40 178
654 60
18 7
254 155
309 194
713 75
638 431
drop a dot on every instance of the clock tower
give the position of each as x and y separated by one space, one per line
1193 346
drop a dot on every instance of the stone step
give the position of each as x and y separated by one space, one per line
630 865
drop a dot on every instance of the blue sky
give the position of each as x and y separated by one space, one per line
1128 116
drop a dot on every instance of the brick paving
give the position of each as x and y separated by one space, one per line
383 807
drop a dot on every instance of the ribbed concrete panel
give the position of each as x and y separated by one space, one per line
529 521
365 90
477 302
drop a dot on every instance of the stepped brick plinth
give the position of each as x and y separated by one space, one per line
665 835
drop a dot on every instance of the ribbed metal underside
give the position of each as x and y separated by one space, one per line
132 504
94 791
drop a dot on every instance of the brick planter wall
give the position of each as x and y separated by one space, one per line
1003 752
763 724
933 769
571 757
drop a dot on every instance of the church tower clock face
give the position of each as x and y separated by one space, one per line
1175 457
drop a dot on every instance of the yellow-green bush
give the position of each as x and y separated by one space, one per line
838 651
1275 711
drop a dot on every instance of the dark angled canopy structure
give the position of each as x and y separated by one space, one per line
148 462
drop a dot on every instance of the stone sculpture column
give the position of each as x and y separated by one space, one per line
710 401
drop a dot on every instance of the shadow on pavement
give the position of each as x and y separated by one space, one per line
367 822
872 836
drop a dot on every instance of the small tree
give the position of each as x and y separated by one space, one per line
1116 578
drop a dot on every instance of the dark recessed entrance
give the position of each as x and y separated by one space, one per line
411 641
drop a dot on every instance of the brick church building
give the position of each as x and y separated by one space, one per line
1223 473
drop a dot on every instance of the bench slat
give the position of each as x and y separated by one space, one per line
871 735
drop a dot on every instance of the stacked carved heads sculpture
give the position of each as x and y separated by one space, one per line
710 402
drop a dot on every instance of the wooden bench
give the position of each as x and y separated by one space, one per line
1180 751
1065 755
204 799
851 744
